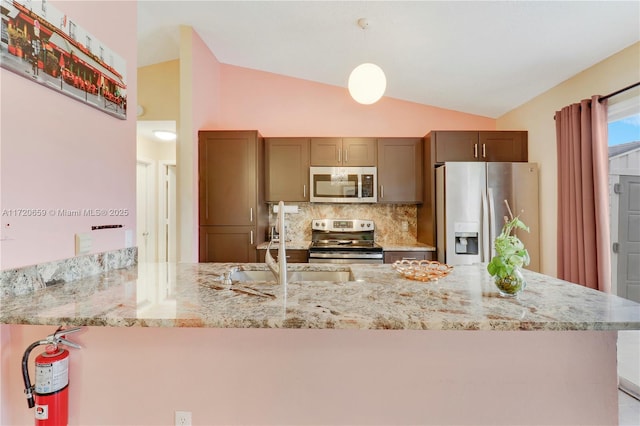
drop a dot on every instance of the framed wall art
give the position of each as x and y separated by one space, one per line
43 44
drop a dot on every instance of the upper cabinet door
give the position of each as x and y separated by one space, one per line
227 178
360 152
495 146
400 170
505 146
455 146
326 151
343 152
287 169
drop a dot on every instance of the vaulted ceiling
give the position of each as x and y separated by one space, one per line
480 57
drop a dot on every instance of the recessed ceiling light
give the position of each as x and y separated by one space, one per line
164 135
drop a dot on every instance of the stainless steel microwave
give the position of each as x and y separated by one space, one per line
343 185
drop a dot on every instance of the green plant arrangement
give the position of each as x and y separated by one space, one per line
511 256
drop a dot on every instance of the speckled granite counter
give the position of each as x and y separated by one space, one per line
194 295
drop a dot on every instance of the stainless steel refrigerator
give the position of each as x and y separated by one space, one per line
470 209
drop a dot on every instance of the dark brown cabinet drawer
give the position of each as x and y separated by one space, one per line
293 256
392 256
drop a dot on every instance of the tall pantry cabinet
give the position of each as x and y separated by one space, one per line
233 215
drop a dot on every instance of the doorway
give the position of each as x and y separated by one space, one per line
144 212
156 192
628 239
167 229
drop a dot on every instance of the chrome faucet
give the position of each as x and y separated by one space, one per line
279 269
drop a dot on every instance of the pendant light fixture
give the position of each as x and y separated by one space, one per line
367 81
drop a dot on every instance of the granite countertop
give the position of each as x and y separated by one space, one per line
194 295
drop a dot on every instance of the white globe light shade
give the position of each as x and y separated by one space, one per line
367 83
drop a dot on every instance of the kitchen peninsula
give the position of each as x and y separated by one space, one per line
377 349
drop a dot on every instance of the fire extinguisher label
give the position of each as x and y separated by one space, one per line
51 377
42 412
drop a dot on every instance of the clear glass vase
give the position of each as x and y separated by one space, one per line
511 285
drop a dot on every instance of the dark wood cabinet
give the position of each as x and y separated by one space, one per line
504 146
393 256
343 152
507 146
287 169
400 170
227 244
452 145
233 215
293 256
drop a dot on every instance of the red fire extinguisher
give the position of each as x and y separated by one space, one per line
51 389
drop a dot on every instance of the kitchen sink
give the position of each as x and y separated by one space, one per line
267 275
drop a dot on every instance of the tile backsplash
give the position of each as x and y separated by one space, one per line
388 219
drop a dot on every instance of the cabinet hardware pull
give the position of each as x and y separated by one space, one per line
381 191
484 151
251 237
339 155
304 191
251 214
475 150
346 156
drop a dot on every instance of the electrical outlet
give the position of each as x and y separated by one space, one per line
183 418
405 226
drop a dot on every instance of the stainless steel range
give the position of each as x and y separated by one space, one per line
344 241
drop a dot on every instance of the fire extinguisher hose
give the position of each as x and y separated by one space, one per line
28 388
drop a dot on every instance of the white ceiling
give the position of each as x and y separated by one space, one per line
480 57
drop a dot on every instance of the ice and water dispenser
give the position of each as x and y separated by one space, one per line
466 242
466 235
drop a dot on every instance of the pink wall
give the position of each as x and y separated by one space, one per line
282 106
203 112
58 153
140 376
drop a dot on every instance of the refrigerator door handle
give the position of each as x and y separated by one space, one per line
486 238
492 221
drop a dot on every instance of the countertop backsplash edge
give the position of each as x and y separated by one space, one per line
28 279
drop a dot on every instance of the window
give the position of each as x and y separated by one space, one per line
624 117
624 180
72 30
